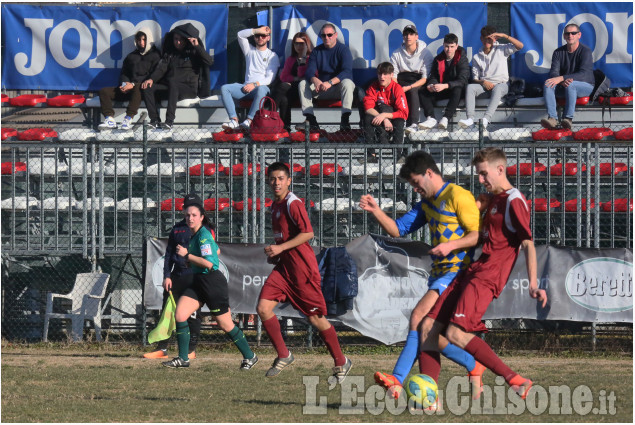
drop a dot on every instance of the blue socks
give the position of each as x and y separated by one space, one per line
459 356
407 357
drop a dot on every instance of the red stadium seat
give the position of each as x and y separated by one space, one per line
546 134
166 205
228 136
10 167
239 169
269 137
37 134
27 100
607 169
618 205
594 133
526 169
572 205
8 132
300 136
211 204
326 169
344 135
5 98
297 169
624 134
560 101
622 100
208 169
240 205
570 169
541 204
66 100
327 103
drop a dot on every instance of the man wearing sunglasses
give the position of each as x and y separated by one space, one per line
571 77
329 75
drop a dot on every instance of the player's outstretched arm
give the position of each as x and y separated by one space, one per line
532 272
368 203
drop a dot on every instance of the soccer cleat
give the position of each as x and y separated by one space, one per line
126 124
177 362
278 365
428 124
467 123
476 380
109 122
341 372
549 123
523 388
443 123
158 354
192 355
231 125
247 364
390 383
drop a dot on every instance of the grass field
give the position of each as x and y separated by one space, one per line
108 383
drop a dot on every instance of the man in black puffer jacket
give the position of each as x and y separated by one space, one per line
448 78
136 68
182 73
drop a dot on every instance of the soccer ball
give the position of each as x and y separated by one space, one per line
422 390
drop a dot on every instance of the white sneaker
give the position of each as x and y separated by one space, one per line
443 124
231 125
126 124
485 123
428 124
109 122
466 123
411 128
246 124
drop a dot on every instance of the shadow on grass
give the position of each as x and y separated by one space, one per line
334 406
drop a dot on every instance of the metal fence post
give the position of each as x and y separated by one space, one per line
144 234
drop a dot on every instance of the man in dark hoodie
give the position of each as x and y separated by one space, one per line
136 68
182 73
448 78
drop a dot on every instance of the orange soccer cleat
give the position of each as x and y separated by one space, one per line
158 354
392 384
521 385
476 380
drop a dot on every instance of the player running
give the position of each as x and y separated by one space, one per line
453 217
295 277
460 308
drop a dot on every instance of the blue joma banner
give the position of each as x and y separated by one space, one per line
607 28
83 47
374 32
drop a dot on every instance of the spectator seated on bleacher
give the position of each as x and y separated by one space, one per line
136 69
182 73
570 76
490 77
261 66
448 78
329 75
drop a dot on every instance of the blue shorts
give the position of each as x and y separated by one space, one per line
440 283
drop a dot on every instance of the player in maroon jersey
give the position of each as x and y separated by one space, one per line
296 276
459 310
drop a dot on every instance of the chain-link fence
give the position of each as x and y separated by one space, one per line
86 199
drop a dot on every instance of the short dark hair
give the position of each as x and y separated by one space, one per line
577 27
450 39
490 154
487 30
328 24
277 166
418 162
385 68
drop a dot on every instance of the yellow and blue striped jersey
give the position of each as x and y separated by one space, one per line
451 214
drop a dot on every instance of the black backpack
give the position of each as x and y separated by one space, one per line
602 84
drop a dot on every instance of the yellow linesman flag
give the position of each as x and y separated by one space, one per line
167 322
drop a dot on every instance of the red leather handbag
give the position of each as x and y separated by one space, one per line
267 121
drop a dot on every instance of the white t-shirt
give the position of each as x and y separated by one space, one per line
420 61
260 65
493 66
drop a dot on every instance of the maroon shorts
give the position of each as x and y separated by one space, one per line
464 302
305 297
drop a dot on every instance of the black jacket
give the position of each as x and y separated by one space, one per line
456 75
137 67
179 235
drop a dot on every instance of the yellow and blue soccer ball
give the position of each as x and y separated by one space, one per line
422 390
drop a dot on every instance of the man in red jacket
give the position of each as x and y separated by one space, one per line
386 110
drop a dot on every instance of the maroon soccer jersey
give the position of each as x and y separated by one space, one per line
505 227
289 218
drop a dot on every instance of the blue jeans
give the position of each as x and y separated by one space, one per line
575 90
229 92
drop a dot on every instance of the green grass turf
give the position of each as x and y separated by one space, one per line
105 383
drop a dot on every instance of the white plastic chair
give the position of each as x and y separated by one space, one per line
86 297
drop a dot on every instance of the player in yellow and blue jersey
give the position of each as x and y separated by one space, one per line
453 218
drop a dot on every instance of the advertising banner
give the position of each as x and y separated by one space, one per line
78 47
